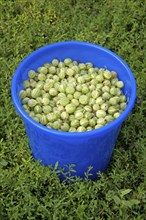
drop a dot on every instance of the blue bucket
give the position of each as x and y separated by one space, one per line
93 148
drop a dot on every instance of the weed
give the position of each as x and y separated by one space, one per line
32 191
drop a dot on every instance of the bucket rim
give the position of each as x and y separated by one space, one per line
117 122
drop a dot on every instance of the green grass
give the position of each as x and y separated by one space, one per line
31 191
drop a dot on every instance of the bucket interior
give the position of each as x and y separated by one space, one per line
79 51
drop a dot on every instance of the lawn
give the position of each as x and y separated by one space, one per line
32 191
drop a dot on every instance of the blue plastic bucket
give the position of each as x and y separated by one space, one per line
93 148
